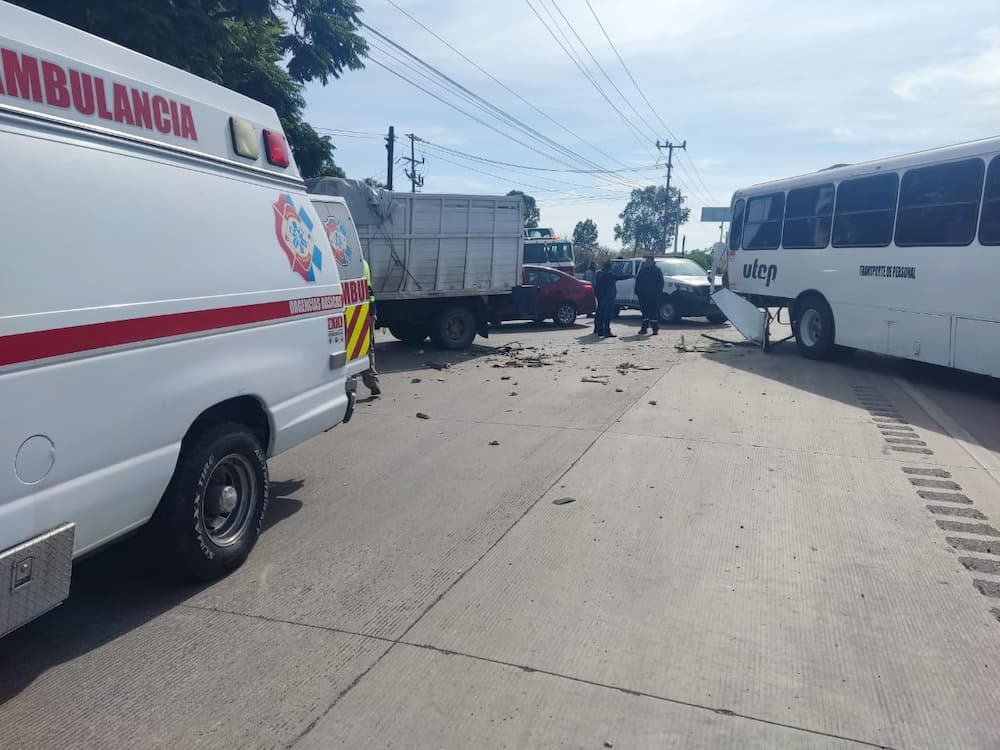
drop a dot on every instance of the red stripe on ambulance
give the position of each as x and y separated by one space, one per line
36 345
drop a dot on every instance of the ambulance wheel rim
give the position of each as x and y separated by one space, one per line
229 499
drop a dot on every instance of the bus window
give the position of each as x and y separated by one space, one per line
939 205
866 211
736 226
808 217
762 225
989 225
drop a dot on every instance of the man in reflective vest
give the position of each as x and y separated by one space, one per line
370 376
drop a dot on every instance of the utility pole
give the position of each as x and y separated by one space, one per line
390 145
416 180
670 165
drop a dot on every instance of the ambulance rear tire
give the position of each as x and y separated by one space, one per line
413 334
211 514
454 328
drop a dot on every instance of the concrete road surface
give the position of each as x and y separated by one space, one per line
759 552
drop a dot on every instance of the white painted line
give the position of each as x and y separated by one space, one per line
982 456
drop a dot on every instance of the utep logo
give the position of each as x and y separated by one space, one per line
336 230
763 271
294 230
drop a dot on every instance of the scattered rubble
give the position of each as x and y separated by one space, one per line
494 442
599 379
421 415
439 365
564 501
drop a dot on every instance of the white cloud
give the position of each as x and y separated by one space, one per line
973 75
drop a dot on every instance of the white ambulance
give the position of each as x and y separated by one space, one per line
171 313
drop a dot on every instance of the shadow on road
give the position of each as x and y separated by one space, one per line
972 400
113 592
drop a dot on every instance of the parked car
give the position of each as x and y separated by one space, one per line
560 296
686 292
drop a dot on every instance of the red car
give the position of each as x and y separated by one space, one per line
560 296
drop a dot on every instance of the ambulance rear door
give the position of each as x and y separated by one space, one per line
343 236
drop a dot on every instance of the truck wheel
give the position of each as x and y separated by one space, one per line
210 516
454 328
814 328
413 334
565 314
668 312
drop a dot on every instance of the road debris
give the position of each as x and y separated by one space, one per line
505 377
494 442
619 390
439 365
652 403
421 415
624 367
599 379
564 501
416 380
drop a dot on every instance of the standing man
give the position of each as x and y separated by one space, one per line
605 289
591 273
649 290
370 376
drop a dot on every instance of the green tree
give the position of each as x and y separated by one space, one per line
650 220
265 49
703 257
585 234
531 213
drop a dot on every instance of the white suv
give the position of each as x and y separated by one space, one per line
686 290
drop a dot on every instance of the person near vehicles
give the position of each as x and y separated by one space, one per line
605 289
591 273
649 290
370 376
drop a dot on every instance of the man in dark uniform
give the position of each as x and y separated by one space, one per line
649 290
605 289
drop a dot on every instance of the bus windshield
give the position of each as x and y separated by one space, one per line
548 252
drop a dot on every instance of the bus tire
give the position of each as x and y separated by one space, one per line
211 514
454 328
814 328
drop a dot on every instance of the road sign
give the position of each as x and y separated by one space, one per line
712 213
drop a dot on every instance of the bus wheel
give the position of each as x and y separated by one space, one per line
814 328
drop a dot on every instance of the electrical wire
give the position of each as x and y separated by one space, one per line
496 112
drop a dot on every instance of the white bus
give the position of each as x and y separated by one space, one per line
897 256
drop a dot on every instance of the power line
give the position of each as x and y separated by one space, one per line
530 168
490 108
583 70
600 67
500 83
628 72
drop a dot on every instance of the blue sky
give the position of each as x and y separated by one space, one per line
759 90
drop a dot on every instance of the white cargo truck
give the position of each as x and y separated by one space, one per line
441 265
171 314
